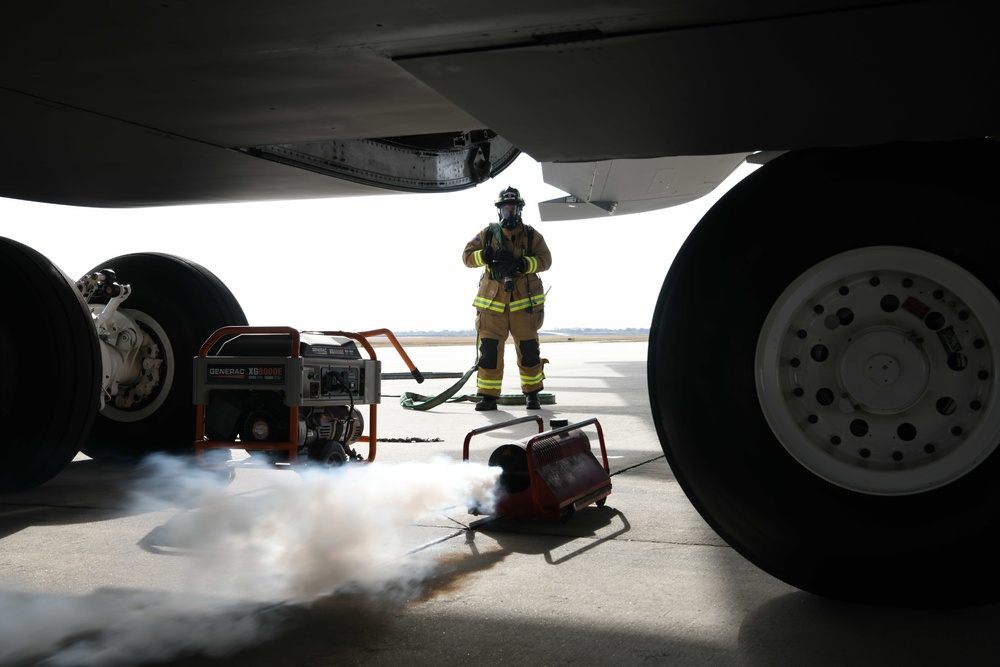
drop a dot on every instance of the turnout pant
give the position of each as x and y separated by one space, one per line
493 329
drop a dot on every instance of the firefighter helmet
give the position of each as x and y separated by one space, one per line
509 204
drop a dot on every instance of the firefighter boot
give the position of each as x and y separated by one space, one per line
486 403
531 401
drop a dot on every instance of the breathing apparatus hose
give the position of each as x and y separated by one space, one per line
496 273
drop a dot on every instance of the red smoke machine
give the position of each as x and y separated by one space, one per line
550 475
287 396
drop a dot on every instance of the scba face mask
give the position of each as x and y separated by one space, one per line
510 216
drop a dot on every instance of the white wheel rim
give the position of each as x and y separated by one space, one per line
880 399
166 377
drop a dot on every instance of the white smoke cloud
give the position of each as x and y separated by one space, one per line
332 529
123 627
317 534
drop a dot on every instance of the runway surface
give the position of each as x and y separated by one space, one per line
383 565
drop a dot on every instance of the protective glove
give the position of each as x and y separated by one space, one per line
487 254
521 264
503 258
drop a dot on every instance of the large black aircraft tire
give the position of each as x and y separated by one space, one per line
835 420
50 369
179 303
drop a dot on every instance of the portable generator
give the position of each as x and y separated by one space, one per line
284 395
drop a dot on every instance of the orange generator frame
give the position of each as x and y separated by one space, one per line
319 371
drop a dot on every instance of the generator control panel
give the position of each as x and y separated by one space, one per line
329 370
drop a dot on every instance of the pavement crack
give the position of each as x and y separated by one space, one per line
642 463
432 543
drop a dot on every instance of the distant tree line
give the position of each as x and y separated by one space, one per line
584 331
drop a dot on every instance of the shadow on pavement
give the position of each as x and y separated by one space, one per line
591 526
804 629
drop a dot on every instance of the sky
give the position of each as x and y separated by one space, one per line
386 261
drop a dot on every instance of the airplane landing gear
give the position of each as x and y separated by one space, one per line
176 304
822 374
50 369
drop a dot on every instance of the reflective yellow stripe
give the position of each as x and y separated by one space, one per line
477 256
532 265
534 379
488 304
521 304
488 384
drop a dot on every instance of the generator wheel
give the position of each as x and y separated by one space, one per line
332 454
178 303
823 371
50 369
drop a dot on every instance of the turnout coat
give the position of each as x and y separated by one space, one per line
524 241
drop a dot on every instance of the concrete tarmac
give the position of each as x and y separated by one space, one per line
88 575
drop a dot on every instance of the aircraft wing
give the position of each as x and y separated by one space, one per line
136 104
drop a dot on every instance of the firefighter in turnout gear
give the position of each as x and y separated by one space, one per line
510 300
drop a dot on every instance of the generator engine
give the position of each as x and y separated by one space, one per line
248 387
